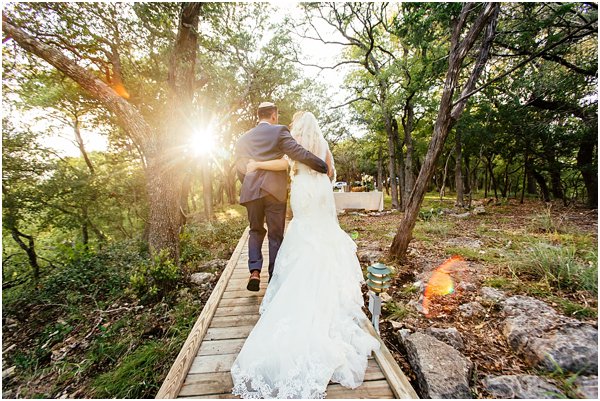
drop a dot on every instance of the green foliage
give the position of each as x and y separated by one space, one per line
559 266
429 214
155 278
135 376
547 223
396 311
210 240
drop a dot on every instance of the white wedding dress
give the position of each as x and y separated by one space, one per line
310 330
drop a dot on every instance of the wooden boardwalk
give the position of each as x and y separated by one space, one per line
202 368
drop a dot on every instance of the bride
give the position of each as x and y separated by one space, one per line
309 332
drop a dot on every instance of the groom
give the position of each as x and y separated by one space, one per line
264 193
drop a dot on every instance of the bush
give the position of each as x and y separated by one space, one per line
85 275
210 240
155 278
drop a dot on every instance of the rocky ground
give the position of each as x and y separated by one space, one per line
501 333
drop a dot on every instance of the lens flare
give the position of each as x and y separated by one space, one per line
441 283
121 91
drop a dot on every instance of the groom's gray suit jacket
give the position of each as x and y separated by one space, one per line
269 142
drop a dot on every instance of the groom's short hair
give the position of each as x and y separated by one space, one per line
265 109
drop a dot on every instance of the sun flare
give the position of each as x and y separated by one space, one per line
203 142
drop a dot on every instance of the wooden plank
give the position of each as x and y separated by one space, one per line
221 382
397 380
245 275
227 333
373 371
178 372
243 294
240 285
370 389
212 363
240 301
206 383
234 321
220 347
236 310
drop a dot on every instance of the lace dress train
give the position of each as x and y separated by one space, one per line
310 330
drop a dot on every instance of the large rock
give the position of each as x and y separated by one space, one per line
491 294
450 336
441 371
587 386
546 339
201 278
472 310
479 210
520 386
215 264
370 256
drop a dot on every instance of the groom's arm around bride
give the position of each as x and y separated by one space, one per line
270 141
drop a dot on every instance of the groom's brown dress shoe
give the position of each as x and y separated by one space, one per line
254 281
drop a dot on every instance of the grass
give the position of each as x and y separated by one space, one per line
436 227
545 222
395 311
135 376
559 266
485 255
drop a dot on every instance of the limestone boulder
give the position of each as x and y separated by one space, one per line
201 278
490 294
214 265
545 339
521 387
472 310
441 370
450 336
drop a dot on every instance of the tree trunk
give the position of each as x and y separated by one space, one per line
207 189
554 169
448 113
81 146
186 189
399 166
542 183
531 187
490 168
468 184
230 183
444 176
588 167
380 169
407 124
525 163
29 248
392 163
458 176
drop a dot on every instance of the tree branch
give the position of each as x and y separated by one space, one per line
130 117
521 64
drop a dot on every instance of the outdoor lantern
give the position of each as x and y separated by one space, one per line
378 280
